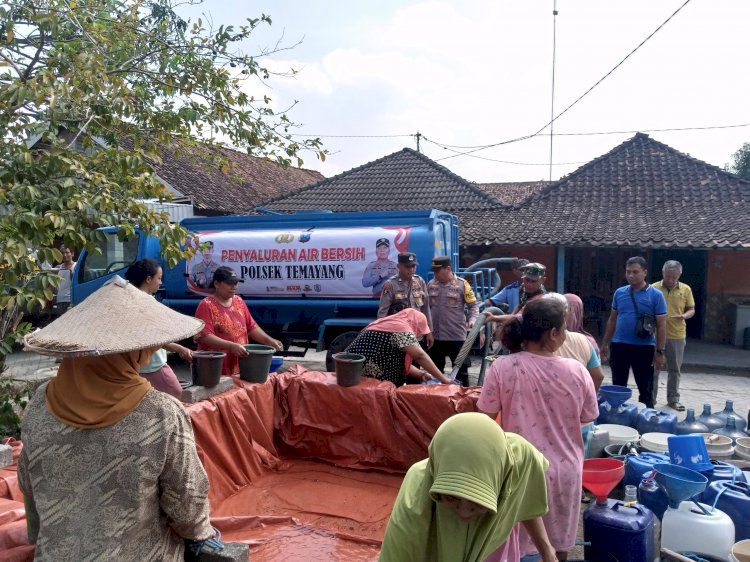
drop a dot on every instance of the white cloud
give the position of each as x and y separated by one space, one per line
479 71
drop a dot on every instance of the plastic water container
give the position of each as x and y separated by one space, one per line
623 414
688 529
617 532
652 496
636 465
740 423
612 406
598 439
650 420
730 430
734 500
721 470
710 420
690 425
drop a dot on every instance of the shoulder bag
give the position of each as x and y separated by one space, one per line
645 324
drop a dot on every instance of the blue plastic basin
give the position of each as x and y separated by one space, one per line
275 364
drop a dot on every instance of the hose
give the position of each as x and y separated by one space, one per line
491 262
481 323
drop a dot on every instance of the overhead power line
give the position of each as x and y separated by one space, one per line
592 133
564 111
355 136
653 130
581 134
504 161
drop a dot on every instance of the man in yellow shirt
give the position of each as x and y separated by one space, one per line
680 307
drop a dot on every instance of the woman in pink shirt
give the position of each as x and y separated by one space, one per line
545 399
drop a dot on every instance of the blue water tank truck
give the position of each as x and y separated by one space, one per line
303 275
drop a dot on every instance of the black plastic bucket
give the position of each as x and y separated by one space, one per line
206 367
348 368
255 367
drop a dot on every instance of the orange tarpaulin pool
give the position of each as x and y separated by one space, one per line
300 468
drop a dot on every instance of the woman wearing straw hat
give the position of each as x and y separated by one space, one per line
146 274
228 323
109 468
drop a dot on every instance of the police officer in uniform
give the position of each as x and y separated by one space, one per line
406 289
454 309
379 271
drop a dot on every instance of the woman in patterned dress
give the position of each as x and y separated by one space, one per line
545 399
109 468
390 344
228 324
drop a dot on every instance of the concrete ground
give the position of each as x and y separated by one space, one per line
712 374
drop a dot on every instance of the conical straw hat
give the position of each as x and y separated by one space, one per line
116 318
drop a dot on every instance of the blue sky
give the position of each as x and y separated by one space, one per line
477 72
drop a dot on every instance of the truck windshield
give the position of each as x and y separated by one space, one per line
115 255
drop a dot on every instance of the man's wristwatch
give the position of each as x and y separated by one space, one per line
660 351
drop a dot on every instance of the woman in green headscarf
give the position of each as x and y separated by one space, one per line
463 502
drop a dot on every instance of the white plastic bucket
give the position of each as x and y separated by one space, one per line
619 434
742 448
656 442
719 447
740 552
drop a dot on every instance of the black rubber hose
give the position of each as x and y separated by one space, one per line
480 324
491 262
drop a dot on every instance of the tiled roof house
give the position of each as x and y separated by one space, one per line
642 193
641 198
404 180
193 173
513 193
246 182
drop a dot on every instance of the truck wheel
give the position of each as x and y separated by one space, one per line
339 344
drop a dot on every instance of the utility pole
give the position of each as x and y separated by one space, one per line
418 136
552 109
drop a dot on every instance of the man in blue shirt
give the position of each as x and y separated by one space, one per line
510 293
628 348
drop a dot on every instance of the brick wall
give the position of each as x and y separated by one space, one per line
727 281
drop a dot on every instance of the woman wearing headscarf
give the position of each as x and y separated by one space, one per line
389 345
578 345
146 274
574 320
109 468
545 399
463 502
228 323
